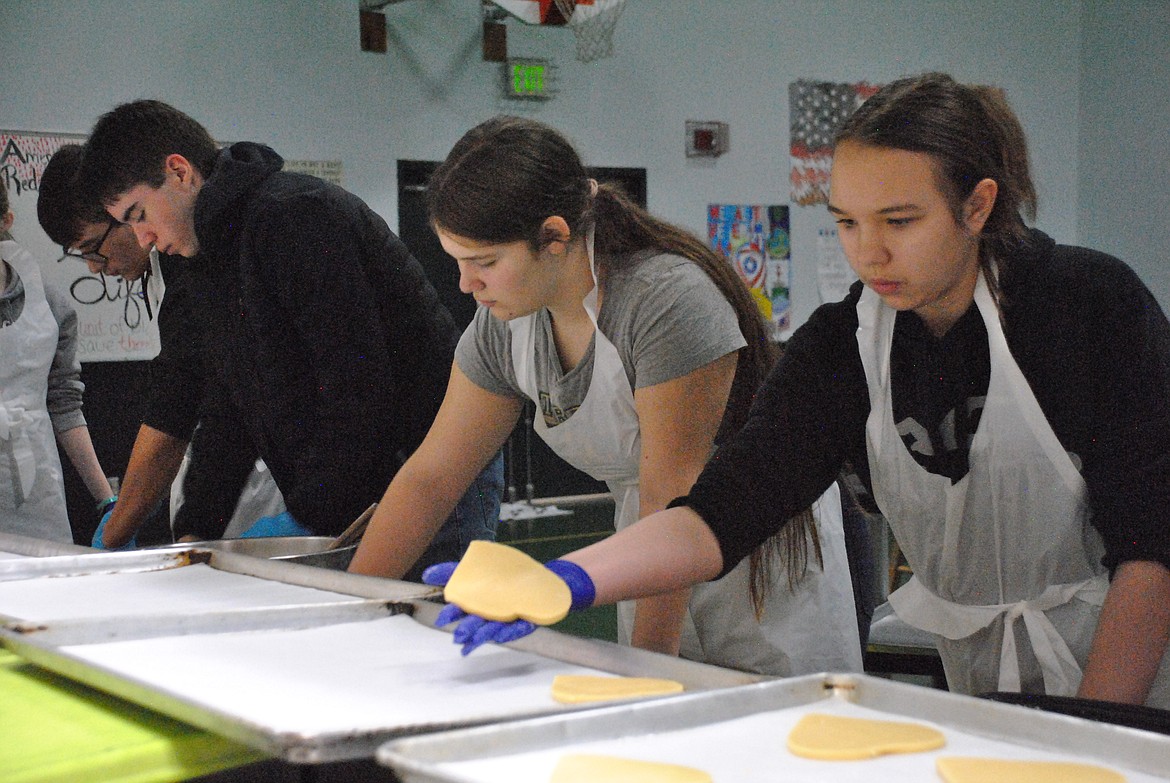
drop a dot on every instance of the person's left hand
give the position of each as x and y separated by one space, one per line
474 630
107 509
282 524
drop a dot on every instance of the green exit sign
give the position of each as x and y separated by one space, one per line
528 78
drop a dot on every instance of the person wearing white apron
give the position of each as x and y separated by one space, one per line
40 395
32 492
1032 507
808 629
677 318
1011 581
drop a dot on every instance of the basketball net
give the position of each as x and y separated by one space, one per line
592 23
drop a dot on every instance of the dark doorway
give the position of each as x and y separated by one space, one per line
533 470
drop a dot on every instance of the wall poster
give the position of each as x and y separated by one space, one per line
328 170
755 240
834 275
816 112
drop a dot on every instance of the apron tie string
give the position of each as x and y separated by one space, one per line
924 610
14 430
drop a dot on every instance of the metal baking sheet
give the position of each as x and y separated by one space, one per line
13 545
740 735
328 682
117 584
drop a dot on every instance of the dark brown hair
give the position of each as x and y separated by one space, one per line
60 209
971 133
129 145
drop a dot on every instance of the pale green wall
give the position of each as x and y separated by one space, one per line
1124 179
290 73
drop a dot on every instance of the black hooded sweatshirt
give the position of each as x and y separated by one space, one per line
326 334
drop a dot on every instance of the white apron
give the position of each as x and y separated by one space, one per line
260 497
32 492
813 630
155 287
1010 541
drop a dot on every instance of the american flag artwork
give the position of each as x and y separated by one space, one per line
817 111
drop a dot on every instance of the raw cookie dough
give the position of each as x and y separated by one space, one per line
835 738
583 768
500 583
582 688
961 769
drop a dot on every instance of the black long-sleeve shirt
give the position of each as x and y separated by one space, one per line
181 381
1087 334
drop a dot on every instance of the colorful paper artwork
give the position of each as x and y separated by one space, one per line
817 110
754 239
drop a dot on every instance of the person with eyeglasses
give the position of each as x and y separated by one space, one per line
207 482
40 398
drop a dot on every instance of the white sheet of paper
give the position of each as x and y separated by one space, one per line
380 674
191 588
834 275
753 748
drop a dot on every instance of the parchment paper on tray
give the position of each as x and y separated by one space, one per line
353 677
304 663
180 581
738 734
191 588
326 687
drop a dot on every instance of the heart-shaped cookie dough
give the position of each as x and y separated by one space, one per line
583 768
500 583
961 769
836 738
583 688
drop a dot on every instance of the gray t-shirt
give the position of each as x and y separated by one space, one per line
663 314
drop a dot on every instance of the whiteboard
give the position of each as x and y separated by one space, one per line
112 322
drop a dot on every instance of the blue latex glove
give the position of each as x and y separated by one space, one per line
98 543
282 524
474 630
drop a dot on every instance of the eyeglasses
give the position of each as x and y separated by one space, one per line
93 256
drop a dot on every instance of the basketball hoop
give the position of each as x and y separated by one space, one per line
592 22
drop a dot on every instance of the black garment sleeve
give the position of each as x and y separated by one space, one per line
1107 392
177 374
221 459
807 419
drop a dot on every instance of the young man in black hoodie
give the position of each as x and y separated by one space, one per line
212 488
329 337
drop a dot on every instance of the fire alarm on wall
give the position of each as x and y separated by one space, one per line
706 139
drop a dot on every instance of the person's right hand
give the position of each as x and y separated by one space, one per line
474 630
98 543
